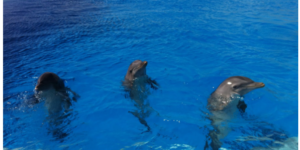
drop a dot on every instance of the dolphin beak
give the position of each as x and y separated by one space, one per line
260 84
37 87
145 63
142 65
256 85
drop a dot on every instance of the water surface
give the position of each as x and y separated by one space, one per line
191 46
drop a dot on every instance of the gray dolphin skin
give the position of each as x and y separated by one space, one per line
221 98
135 84
136 69
51 88
48 80
224 102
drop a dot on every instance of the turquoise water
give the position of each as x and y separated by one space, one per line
191 47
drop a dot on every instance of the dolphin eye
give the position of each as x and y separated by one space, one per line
235 86
130 71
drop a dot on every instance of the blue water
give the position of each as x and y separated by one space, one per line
191 46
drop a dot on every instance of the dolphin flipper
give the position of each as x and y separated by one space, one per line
154 85
242 106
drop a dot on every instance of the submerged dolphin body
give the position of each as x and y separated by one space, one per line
224 102
136 81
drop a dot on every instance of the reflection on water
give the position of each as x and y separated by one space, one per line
58 125
288 144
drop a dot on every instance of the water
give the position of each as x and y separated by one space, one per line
191 47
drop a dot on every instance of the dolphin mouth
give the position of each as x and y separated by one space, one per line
262 84
257 85
39 88
144 64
